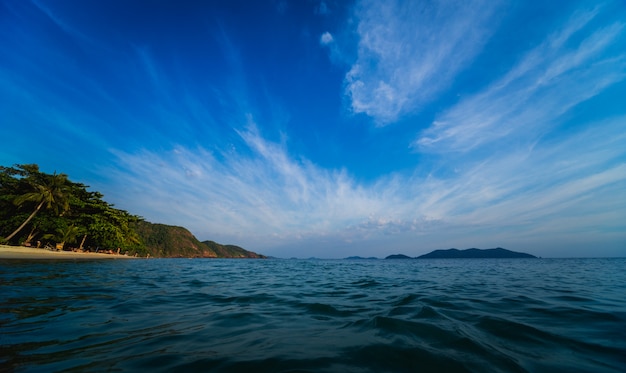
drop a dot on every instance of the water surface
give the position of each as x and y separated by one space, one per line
476 315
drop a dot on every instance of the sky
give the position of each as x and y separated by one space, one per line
332 128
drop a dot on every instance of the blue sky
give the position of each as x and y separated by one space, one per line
332 128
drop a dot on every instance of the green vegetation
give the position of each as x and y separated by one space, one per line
52 210
171 241
38 209
51 191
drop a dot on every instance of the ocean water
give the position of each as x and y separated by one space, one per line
225 315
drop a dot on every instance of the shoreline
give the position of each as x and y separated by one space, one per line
23 252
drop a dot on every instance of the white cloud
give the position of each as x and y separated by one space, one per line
326 38
548 81
410 51
264 198
537 186
336 50
568 188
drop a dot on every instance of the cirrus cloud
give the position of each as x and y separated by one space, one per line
409 51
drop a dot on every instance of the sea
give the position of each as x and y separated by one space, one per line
291 315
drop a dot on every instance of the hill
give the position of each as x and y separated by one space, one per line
398 256
231 251
474 253
167 241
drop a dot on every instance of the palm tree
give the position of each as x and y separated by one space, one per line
64 235
52 193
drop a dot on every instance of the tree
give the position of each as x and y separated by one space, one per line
33 199
50 192
101 223
66 234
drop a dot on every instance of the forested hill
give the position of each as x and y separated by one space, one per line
177 242
467 254
474 253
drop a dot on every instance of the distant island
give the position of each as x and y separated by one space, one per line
398 256
467 254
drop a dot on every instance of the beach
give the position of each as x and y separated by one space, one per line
22 252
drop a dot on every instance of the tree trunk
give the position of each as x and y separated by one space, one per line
30 236
83 241
8 238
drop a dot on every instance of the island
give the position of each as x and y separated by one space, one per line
398 256
473 253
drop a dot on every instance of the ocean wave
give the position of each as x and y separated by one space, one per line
312 316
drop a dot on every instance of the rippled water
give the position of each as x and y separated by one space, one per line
314 315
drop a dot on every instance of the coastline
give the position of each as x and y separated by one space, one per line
23 252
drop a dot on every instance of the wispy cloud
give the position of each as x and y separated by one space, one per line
494 168
59 22
550 79
263 197
409 51
258 194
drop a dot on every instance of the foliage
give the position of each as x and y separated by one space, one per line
51 207
49 191
64 235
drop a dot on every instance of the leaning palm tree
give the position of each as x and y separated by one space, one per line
53 194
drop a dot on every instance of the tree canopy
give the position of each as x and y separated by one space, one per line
50 208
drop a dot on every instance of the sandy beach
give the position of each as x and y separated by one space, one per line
22 252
